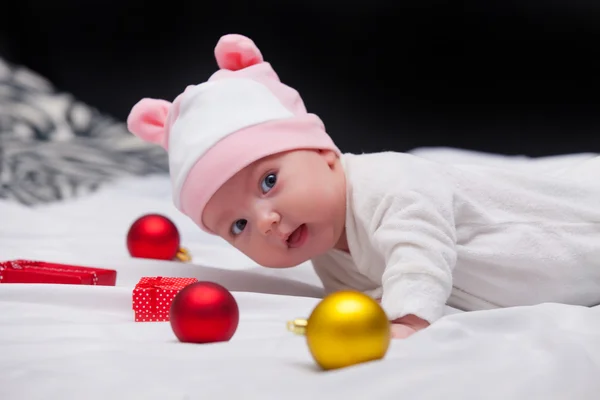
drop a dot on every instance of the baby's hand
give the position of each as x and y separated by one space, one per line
406 326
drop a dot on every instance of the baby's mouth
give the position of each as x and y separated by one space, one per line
297 238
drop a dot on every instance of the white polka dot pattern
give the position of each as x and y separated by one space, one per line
152 297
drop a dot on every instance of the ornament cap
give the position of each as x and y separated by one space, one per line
183 255
297 326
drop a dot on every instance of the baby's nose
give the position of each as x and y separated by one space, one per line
267 222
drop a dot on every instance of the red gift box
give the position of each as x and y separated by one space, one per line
152 297
27 271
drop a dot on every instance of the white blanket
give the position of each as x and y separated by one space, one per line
80 342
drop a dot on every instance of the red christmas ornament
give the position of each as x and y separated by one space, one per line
204 312
155 236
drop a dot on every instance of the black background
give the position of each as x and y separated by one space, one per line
506 77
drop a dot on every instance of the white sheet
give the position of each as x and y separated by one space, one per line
80 342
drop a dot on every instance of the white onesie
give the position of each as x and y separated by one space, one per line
423 234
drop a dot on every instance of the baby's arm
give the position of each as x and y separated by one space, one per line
415 233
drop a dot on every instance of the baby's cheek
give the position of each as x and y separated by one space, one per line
254 251
239 247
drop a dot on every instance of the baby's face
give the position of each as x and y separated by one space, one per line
282 210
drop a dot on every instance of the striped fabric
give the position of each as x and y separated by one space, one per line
53 147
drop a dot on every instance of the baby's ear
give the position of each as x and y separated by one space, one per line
147 120
329 156
235 52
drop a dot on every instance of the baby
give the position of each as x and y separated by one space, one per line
248 163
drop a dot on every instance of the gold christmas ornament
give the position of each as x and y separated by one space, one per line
344 329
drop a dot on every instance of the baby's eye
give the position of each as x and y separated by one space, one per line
268 182
238 226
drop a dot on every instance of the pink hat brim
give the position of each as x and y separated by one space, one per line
240 149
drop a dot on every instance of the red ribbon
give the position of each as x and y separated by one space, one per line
152 285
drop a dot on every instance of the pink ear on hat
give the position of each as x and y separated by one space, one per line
147 120
235 52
